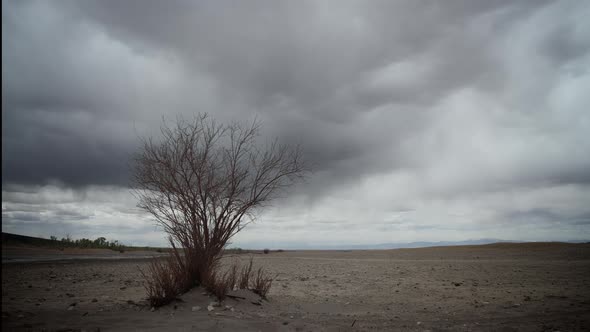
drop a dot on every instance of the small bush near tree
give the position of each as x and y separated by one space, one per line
261 284
245 274
161 281
165 279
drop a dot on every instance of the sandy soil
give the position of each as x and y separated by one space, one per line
505 287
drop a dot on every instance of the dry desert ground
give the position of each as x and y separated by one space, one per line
499 287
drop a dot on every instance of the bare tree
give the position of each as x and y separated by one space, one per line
204 181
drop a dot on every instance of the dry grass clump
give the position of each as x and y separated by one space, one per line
221 284
216 285
261 284
245 276
165 279
231 277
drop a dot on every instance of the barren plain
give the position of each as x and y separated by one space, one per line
498 287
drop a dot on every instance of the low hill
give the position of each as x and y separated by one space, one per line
16 240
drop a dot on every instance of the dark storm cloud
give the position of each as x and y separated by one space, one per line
73 93
563 46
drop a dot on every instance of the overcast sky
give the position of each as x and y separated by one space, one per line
423 120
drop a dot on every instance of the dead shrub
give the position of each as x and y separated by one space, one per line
261 283
182 269
216 285
245 276
167 278
231 277
162 281
221 284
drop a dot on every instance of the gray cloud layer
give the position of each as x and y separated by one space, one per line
419 106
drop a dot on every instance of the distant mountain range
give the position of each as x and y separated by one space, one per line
406 245
431 244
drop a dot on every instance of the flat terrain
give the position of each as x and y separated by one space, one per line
19 254
499 287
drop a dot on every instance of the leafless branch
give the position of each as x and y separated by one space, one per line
204 181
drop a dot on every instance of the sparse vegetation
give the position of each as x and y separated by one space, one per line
204 182
65 242
245 274
159 283
220 284
166 279
99 243
236 251
261 284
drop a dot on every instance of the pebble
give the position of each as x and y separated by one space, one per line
210 308
195 308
